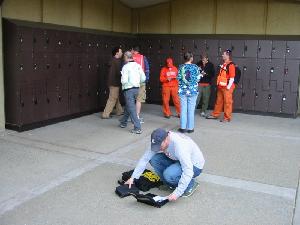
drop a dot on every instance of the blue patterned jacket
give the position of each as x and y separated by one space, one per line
188 77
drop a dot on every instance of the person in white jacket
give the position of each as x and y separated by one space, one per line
176 159
131 79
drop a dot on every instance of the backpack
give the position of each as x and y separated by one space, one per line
238 72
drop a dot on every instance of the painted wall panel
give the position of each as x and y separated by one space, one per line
155 19
17 9
283 18
194 16
66 12
97 14
121 18
241 17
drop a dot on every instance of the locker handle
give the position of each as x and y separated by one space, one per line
21 39
273 49
35 66
287 49
284 98
22 104
286 71
245 68
59 98
258 68
21 67
272 70
232 48
246 48
259 48
48 66
35 101
48 100
269 96
256 95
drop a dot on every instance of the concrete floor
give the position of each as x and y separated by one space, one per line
65 174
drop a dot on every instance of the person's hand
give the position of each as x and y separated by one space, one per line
172 197
129 182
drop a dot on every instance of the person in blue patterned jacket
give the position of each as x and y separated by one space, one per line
189 75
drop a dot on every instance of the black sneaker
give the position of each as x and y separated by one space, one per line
122 125
168 117
181 130
190 131
191 191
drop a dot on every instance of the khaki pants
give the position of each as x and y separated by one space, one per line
112 101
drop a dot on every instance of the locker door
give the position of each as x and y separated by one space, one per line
49 64
40 102
248 98
289 100
278 49
200 46
276 69
223 46
23 39
212 47
264 49
188 45
176 45
39 40
263 74
26 104
74 95
22 67
238 47
292 73
293 50
261 102
57 98
237 99
275 99
248 79
251 48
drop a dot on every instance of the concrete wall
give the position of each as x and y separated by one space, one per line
261 17
109 15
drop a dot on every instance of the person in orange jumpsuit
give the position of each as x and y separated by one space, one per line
225 82
168 78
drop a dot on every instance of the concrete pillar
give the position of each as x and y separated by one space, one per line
2 108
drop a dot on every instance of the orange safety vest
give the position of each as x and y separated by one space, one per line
222 79
139 58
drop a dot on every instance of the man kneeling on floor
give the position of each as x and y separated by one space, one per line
176 159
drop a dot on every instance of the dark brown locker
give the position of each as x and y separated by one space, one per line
50 40
200 46
275 99
261 102
248 79
263 74
248 98
23 40
264 49
176 45
223 46
291 73
163 46
21 67
293 50
27 99
278 49
39 40
276 69
289 100
38 63
188 45
48 66
40 102
212 47
251 48
75 95
238 47
237 99
57 98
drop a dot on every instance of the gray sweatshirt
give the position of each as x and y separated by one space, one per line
183 149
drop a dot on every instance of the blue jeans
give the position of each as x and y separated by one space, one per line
130 108
187 116
170 170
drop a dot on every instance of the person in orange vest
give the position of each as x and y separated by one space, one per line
168 78
225 83
141 98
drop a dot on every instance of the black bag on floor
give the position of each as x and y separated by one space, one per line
148 199
124 191
146 181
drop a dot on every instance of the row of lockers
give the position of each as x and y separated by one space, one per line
40 40
240 48
266 85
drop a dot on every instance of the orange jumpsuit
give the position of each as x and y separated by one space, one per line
168 78
224 96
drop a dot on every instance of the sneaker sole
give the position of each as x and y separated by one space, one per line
192 192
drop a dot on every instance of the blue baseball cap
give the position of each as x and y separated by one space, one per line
157 137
